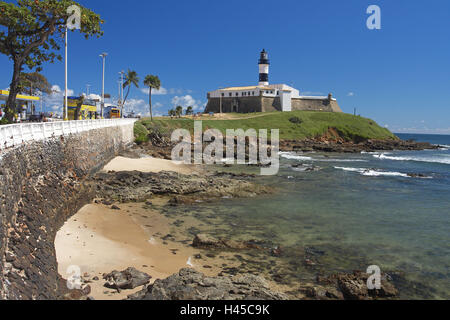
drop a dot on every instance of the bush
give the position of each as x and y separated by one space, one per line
140 133
295 120
3 121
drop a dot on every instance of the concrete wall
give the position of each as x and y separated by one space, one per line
269 104
42 184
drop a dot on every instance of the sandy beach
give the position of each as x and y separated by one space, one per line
147 165
99 239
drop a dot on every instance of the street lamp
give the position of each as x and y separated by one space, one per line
121 92
103 55
66 115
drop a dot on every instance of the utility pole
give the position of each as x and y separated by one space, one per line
87 90
121 92
66 115
103 55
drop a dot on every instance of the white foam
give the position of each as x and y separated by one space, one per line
374 173
293 156
438 159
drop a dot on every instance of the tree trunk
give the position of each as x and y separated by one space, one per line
150 103
11 107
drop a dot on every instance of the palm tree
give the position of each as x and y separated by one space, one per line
131 78
152 82
189 110
179 111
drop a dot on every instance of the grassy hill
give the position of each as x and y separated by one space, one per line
296 125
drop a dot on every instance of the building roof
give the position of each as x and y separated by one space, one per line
245 88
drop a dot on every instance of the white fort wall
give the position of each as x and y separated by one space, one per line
17 134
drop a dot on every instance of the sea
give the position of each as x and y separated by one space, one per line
343 212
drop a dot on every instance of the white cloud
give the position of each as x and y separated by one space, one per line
139 106
186 101
161 92
351 94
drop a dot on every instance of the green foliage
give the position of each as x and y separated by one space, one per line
313 124
295 120
152 81
31 32
179 111
131 79
140 133
34 29
32 83
189 110
4 121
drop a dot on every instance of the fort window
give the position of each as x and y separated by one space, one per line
231 94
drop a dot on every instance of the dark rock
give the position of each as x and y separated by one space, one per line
114 207
189 284
128 279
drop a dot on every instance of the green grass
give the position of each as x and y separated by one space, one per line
312 124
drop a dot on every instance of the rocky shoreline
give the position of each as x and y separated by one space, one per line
233 283
341 146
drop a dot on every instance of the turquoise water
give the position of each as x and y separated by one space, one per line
352 212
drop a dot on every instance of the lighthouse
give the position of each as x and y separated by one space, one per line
264 64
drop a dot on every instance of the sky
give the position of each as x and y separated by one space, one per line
398 75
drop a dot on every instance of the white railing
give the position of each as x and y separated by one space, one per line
16 134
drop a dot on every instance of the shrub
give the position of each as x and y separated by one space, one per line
295 120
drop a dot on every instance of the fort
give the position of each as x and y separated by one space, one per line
266 97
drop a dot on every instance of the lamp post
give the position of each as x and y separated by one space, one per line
103 55
66 116
121 92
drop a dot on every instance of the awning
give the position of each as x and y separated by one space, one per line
5 94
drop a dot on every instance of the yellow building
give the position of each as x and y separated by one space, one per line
23 101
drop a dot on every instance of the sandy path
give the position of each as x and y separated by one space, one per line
147 165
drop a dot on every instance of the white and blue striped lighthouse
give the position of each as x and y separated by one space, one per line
264 64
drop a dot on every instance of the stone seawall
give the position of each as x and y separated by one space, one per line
41 185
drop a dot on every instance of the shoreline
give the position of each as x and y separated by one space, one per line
127 226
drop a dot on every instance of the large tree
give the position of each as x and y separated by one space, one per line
152 82
131 79
31 33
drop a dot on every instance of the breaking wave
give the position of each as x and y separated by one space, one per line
445 159
374 173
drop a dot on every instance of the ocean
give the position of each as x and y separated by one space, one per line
346 212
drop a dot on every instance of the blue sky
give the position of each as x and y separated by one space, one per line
399 75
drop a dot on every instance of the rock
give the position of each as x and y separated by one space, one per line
128 279
354 287
204 241
114 207
189 284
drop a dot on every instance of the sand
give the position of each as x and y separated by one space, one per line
99 240
147 165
